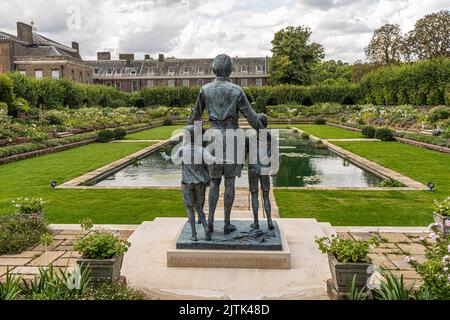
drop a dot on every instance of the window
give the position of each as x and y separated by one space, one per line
72 73
200 70
118 72
108 84
150 83
172 71
118 86
38 74
96 71
151 70
81 76
244 69
200 82
185 83
186 70
171 83
243 82
133 71
259 82
24 73
259 68
134 85
109 71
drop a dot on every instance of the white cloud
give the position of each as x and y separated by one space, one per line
199 28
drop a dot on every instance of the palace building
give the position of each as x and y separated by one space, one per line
37 56
128 74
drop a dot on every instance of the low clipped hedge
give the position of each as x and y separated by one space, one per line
438 141
384 134
368 131
19 232
30 147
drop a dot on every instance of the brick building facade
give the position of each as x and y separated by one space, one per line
39 57
130 75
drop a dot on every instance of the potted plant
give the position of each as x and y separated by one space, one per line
442 215
102 252
348 260
29 206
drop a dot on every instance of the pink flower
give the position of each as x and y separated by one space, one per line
447 223
421 238
409 259
434 236
448 249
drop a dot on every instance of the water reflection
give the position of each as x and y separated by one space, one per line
301 165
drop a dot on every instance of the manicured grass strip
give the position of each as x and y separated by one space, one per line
159 133
328 132
417 163
376 208
32 177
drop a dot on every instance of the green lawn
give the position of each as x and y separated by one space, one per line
32 178
376 208
328 132
159 133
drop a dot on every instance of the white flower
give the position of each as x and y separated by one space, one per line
434 236
448 249
421 238
409 259
447 223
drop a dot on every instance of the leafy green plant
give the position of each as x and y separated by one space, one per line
105 136
56 284
369 131
101 245
391 183
26 205
305 136
320 121
46 240
392 288
438 114
86 224
19 232
167 122
112 292
384 134
347 250
10 288
119 133
442 207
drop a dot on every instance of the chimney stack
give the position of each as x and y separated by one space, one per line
76 46
126 56
104 55
161 57
24 32
147 57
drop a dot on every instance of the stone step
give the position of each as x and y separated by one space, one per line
64 134
327 229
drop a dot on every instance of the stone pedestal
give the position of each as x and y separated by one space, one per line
241 249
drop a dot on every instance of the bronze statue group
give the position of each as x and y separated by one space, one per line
224 102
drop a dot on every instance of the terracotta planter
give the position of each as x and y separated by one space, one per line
343 273
103 270
441 221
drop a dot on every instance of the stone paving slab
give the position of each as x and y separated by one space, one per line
24 254
13 261
46 258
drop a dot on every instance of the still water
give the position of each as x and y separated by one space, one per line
301 165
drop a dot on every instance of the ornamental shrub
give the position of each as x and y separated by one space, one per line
20 232
261 105
105 136
384 134
438 114
101 245
119 133
7 91
320 121
369 131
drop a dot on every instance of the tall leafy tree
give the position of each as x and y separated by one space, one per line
386 45
294 56
332 71
430 37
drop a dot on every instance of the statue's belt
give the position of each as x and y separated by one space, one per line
225 124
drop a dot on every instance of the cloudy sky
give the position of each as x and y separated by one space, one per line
204 28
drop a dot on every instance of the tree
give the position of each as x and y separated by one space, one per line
294 56
360 69
430 37
332 71
386 45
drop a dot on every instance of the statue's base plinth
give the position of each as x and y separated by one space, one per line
240 249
